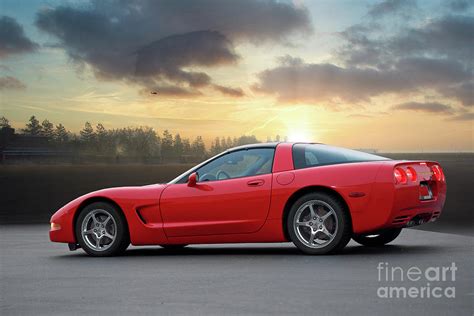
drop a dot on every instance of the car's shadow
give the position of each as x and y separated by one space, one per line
290 250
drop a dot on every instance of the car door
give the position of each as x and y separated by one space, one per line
231 196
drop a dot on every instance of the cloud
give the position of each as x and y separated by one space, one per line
11 83
166 57
13 39
429 107
374 60
169 91
233 92
296 81
5 68
153 43
444 37
448 36
389 7
459 5
463 117
463 92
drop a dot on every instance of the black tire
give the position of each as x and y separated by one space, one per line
122 237
173 247
342 234
378 240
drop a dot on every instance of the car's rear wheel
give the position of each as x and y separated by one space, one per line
376 240
319 223
173 247
101 230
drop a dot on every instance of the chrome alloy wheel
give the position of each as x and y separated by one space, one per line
315 224
99 230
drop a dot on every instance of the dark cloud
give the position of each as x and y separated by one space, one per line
445 37
13 39
11 83
430 107
449 36
160 42
389 7
459 5
169 55
296 81
233 92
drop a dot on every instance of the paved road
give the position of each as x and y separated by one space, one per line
38 277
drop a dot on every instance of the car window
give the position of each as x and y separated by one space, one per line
311 155
242 163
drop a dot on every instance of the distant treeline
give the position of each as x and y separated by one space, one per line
139 143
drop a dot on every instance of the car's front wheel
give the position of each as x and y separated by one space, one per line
377 240
101 230
318 223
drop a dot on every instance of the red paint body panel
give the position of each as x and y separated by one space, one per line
231 206
251 209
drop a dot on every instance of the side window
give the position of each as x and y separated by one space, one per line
311 155
237 164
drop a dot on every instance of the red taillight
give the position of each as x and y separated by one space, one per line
400 176
411 174
437 172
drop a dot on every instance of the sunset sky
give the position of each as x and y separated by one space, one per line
395 75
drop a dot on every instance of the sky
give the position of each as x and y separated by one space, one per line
393 75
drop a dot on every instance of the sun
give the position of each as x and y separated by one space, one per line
299 135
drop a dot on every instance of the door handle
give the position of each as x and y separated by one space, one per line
255 183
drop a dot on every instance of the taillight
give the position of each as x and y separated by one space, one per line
437 172
400 176
411 174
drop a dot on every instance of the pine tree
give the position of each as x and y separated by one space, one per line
47 129
4 122
178 146
32 128
87 133
61 135
198 147
102 143
167 144
186 146
216 146
224 144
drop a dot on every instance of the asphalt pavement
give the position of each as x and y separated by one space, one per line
39 277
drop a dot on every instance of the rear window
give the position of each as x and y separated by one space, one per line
312 155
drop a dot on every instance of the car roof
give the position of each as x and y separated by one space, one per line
257 145
265 145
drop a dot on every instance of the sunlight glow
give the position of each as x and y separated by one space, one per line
299 135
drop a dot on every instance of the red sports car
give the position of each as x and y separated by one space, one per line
315 195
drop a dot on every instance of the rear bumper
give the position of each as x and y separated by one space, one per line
399 205
409 210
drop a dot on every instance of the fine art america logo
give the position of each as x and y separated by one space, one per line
416 282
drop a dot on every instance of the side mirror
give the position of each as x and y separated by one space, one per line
193 177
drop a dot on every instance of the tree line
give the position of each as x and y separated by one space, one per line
134 142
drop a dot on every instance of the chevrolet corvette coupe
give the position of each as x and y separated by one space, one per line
314 195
